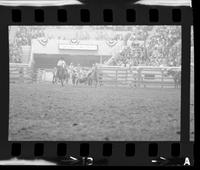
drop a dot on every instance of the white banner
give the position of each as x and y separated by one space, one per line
78 47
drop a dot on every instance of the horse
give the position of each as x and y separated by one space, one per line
74 77
61 74
89 78
81 78
92 78
176 77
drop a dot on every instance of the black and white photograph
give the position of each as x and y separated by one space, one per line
95 83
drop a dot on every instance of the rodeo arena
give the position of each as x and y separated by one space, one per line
99 83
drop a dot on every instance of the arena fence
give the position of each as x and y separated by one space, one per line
44 75
136 76
139 76
20 73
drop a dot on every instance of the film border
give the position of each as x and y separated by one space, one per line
114 16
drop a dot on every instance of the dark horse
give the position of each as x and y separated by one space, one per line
176 77
82 80
92 78
60 74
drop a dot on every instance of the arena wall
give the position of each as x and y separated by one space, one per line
20 73
136 76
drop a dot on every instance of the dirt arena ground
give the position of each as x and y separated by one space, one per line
47 112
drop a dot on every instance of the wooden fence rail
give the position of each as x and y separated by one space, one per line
108 75
121 76
137 76
20 73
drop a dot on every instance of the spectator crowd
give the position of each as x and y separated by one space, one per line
161 45
22 37
138 57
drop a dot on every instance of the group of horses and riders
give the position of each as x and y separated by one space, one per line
74 75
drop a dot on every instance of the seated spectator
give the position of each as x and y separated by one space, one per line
23 37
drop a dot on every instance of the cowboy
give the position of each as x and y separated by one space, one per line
71 66
78 67
61 63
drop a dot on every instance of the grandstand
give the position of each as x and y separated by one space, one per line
41 47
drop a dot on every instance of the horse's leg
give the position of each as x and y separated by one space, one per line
87 83
53 80
67 80
91 82
56 80
76 82
96 84
62 82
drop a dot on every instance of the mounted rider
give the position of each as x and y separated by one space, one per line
61 63
71 66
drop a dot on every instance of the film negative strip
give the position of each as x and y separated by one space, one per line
97 83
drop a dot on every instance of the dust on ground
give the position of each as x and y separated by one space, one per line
47 112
